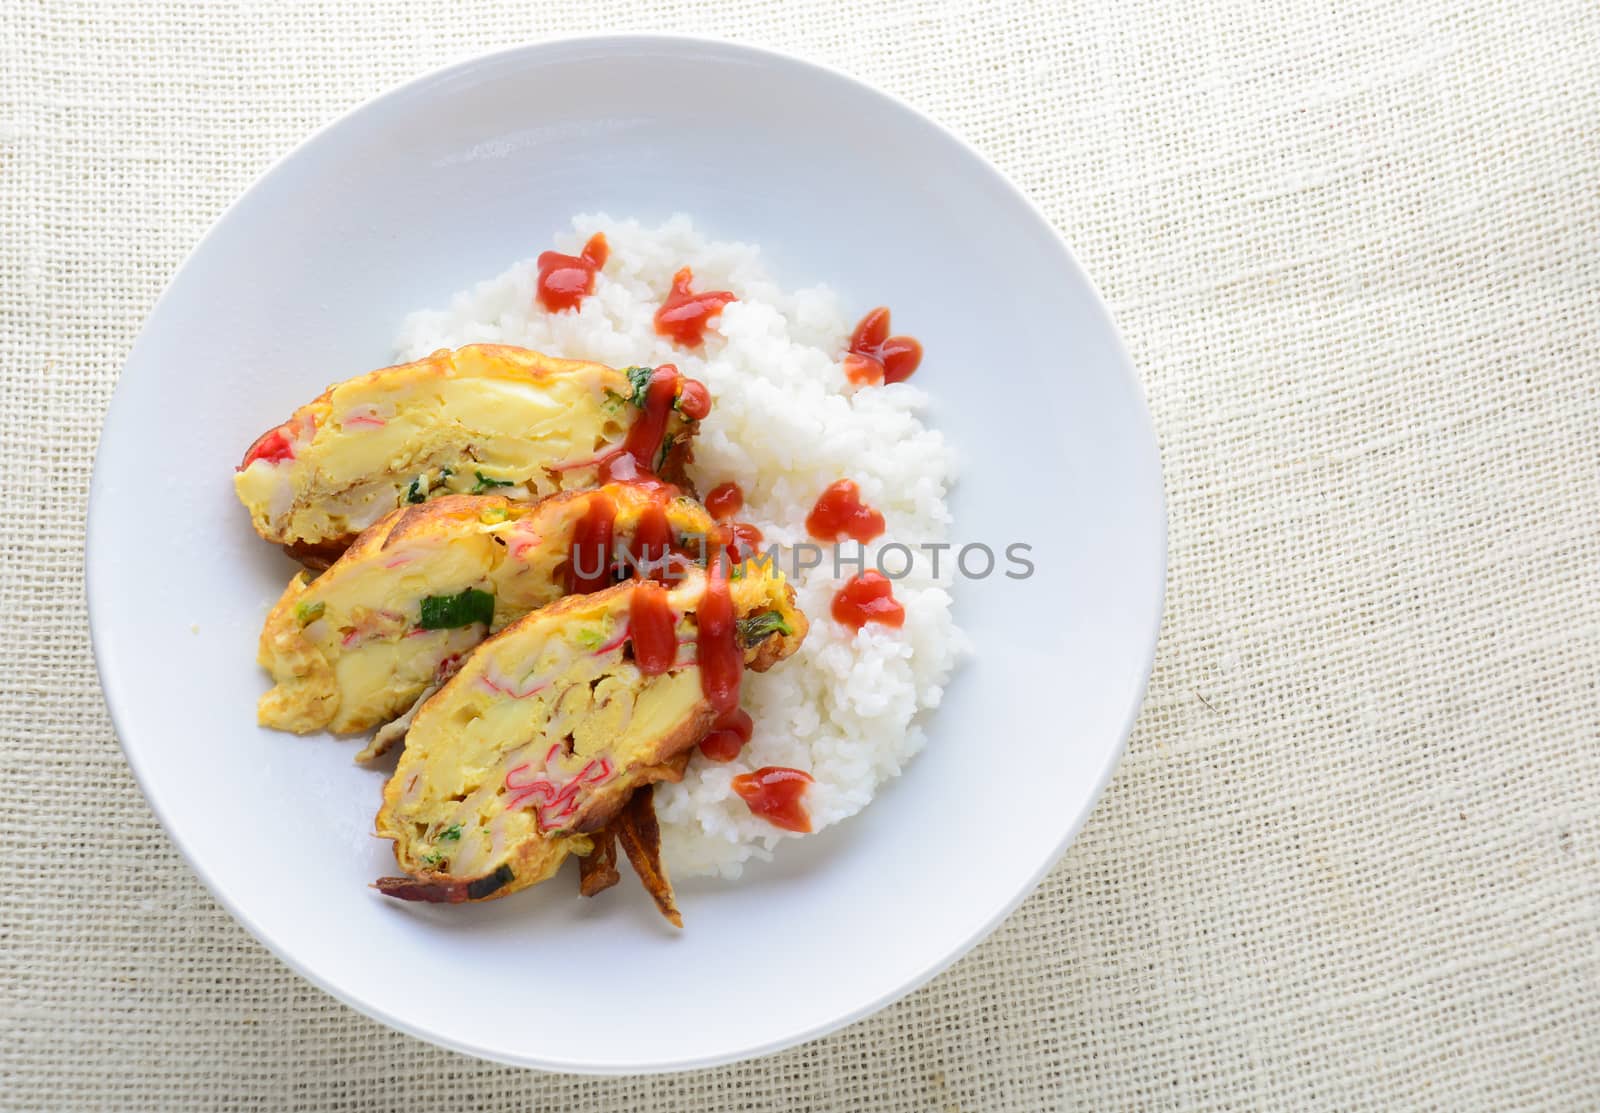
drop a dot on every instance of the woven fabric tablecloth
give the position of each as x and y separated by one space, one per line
1352 858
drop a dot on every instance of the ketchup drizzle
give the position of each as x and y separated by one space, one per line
589 557
866 598
565 280
694 400
775 793
728 735
876 357
742 540
720 658
652 540
725 500
683 317
840 513
652 628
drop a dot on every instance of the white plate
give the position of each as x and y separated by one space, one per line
448 180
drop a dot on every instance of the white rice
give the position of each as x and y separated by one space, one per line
785 425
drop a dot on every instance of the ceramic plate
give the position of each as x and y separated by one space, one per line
448 180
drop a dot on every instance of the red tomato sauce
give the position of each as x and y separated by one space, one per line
652 628
652 539
728 735
684 316
777 795
725 500
876 357
866 598
720 657
589 557
565 280
619 466
840 513
741 540
694 400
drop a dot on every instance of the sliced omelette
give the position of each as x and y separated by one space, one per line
485 418
552 725
359 644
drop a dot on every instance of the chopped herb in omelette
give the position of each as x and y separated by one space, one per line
447 612
425 484
308 612
759 626
639 378
486 483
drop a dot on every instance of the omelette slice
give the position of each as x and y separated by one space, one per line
359 644
553 724
485 418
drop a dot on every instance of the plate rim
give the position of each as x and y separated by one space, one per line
764 54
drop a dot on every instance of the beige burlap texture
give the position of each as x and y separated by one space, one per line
1352 858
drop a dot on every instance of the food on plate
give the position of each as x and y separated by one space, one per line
482 418
550 727
517 583
359 644
814 403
